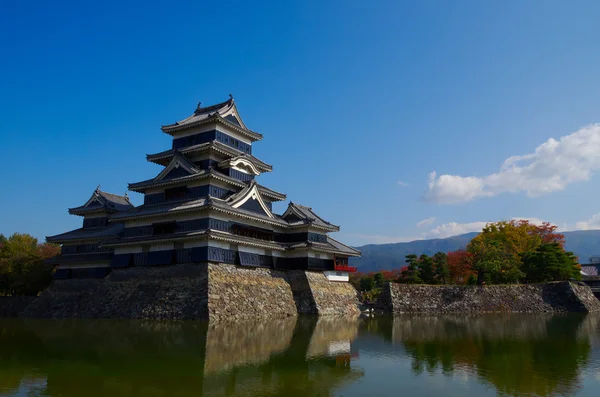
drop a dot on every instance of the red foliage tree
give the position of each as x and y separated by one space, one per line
459 266
548 233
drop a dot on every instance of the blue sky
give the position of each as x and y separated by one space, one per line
359 102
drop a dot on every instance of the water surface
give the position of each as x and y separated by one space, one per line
514 355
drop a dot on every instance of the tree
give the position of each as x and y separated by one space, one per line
22 267
496 254
485 258
550 262
378 279
411 274
459 266
426 270
442 272
367 283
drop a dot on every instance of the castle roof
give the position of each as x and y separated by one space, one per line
225 113
297 214
331 246
103 202
163 158
112 230
198 174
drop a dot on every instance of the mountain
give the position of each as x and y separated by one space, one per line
377 257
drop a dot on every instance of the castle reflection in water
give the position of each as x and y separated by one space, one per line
486 355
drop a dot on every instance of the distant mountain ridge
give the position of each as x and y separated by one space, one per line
377 257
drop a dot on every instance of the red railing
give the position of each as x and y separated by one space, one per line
345 268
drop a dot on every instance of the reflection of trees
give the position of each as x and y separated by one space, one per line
124 358
519 355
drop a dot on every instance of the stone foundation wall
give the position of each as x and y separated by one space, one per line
218 292
12 306
174 292
556 297
332 297
236 293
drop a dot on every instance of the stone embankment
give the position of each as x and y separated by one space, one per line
12 306
217 292
558 297
236 293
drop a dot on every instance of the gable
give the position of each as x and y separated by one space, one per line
177 168
253 205
94 203
250 199
176 173
232 119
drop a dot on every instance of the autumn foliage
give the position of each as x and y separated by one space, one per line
459 266
514 251
22 267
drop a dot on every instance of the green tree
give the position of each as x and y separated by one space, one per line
378 279
367 283
411 273
18 244
442 271
426 270
486 257
22 267
549 262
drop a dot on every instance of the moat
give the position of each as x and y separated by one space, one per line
486 355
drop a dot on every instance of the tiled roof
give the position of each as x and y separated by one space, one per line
103 201
307 215
201 114
215 113
272 194
87 233
148 183
161 209
163 158
332 245
342 247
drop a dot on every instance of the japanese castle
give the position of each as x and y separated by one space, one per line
205 206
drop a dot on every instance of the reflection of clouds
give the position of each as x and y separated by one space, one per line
27 387
590 329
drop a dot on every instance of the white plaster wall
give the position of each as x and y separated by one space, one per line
85 265
218 244
193 244
337 276
161 247
95 216
225 217
233 133
251 250
128 250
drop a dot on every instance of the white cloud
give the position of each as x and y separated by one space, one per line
402 183
426 222
591 224
453 228
551 167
